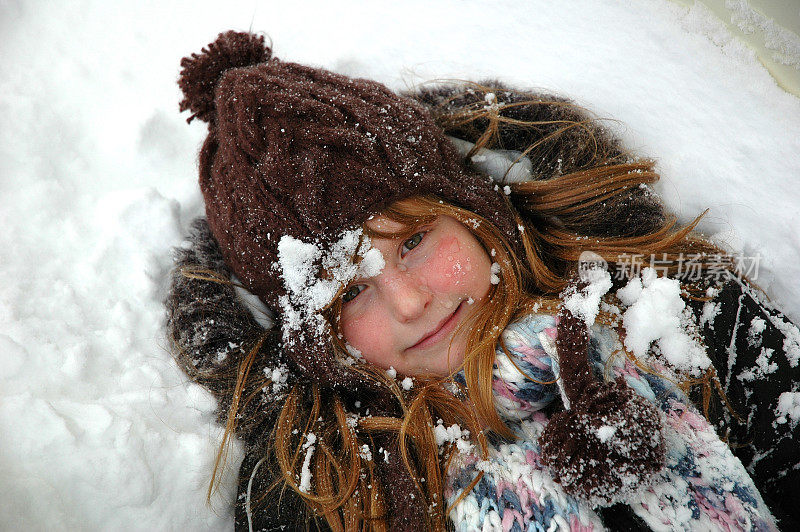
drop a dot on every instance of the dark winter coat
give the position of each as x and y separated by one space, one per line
211 328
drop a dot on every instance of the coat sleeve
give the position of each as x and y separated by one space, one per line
755 350
702 485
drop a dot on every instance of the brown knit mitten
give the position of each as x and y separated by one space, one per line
608 444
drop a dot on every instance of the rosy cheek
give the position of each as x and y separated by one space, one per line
368 333
453 265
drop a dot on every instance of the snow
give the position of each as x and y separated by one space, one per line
657 315
791 340
757 326
788 408
365 452
300 264
585 303
453 434
494 270
504 166
784 43
305 471
98 181
385 454
764 366
606 432
710 312
355 355
279 376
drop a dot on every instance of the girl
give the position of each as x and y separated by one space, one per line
404 343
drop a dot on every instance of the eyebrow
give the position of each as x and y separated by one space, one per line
406 231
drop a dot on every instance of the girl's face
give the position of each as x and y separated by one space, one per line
406 316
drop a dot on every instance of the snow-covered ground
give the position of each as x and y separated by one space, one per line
98 428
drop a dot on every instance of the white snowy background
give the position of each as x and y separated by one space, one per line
98 428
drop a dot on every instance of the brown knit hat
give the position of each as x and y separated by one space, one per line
304 156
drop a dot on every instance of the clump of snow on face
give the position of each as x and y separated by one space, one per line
657 315
407 383
371 263
452 434
392 372
301 263
507 190
305 472
494 272
788 408
585 303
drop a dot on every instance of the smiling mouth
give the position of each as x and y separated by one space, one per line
442 330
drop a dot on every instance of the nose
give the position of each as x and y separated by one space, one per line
407 296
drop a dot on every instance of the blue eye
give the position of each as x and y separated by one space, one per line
351 293
413 242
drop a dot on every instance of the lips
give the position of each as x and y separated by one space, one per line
444 328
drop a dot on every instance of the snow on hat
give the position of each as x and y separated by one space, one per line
296 160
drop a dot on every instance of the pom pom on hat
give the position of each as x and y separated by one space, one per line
609 444
201 72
